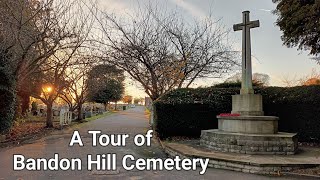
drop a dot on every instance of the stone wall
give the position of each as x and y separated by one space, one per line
281 144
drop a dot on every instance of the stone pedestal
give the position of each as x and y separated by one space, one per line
249 133
247 104
249 124
279 143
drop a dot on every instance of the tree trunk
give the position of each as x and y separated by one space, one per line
17 112
49 115
106 106
80 116
115 106
25 105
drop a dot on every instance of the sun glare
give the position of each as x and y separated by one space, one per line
47 89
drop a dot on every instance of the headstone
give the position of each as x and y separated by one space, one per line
62 111
56 113
68 117
65 116
88 114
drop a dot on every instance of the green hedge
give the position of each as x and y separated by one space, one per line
185 112
7 95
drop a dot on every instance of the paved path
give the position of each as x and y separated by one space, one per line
132 121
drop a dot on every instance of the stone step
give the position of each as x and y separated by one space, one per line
280 143
257 164
249 124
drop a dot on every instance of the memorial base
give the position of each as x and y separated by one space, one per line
279 143
249 124
247 104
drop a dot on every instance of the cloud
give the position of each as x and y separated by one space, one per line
115 6
190 8
266 10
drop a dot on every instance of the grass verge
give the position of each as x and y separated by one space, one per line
99 116
27 130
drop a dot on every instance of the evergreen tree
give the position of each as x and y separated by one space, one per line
299 20
105 84
7 93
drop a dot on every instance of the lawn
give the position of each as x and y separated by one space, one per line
35 126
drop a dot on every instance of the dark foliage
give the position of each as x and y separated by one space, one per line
111 92
105 84
7 94
299 22
185 112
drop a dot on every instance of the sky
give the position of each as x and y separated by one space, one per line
269 55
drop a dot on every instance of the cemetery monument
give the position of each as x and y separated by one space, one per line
246 130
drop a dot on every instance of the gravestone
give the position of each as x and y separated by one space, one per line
246 130
65 117
62 120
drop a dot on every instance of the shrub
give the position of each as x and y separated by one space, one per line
7 95
298 109
34 106
185 112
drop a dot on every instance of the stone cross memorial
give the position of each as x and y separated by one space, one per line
246 130
247 103
245 26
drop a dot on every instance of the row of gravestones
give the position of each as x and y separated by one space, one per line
66 116
58 113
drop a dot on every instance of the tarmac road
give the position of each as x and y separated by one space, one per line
132 122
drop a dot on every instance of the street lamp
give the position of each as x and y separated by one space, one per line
47 89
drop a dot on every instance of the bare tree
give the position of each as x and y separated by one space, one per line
289 82
127 99
76 94
201 49
55 68
32 31
257 78
312 79
51 85
59 77
163 52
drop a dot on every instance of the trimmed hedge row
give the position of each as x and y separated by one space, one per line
185 112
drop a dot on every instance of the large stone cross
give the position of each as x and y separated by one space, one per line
245 26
